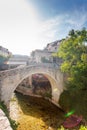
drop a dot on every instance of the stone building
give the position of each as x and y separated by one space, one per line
41 56
53 46
45 55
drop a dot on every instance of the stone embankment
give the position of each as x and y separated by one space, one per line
4 122
27 91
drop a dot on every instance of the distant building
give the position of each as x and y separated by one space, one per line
17 60
45 55
53 46
41 56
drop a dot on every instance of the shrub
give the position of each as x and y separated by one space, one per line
62 128
83 127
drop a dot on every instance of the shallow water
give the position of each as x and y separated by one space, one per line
33 113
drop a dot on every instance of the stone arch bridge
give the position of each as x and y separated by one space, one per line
10 79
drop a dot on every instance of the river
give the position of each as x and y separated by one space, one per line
33 113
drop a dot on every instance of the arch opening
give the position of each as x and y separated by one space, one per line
52 94
36 85
53 91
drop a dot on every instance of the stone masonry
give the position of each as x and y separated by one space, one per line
4 122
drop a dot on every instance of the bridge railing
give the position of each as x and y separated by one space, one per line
45 65
49 65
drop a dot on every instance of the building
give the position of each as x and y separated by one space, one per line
17 60
45 55
41 56
53 46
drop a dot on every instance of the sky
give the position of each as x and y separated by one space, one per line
26 25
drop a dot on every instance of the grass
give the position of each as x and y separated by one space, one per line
80 128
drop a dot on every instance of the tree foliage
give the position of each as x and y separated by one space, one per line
73 51
3 59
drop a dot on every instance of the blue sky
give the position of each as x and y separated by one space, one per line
63 15
26 25
51 8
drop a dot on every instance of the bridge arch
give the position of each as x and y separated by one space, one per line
12 78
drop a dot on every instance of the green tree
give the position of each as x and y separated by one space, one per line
3 59
73 51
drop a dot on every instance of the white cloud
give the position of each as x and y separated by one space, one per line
22 30
77 19
59 26
48 29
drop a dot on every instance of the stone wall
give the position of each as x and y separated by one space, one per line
4 122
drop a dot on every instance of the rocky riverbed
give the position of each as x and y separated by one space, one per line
33 113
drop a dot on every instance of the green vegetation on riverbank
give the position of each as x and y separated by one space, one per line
74 100
81 128
73 52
